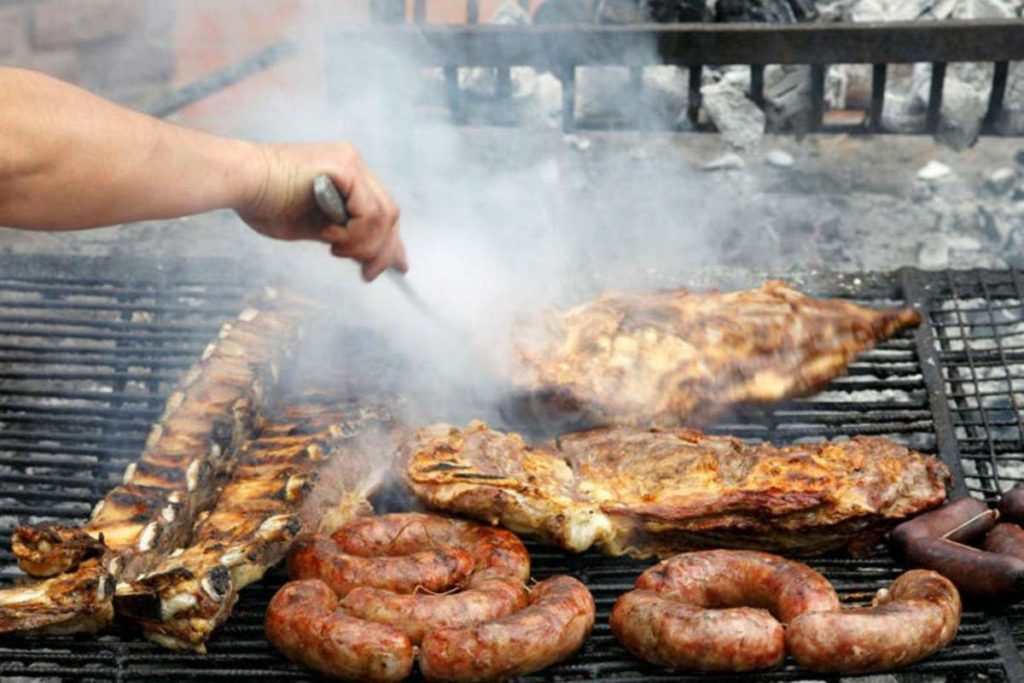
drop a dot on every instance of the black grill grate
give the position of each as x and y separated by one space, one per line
86 361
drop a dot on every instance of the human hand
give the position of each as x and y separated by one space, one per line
280 204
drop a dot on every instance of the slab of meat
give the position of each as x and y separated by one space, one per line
211 411
258 513
678 358
646 492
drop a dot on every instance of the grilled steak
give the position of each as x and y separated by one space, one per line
656 492
679 358
180 601
212 409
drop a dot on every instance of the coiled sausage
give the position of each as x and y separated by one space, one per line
917 616
304 623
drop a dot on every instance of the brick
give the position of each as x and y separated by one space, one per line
127 62
13 22
63 23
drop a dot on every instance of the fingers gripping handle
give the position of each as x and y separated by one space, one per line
329 199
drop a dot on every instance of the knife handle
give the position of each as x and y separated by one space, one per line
330 200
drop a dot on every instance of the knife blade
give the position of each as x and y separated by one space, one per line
331 202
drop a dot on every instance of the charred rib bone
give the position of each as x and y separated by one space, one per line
211 411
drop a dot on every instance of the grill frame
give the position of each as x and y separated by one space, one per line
148 323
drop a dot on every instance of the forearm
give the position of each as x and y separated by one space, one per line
69 160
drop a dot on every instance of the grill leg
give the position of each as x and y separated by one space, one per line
878 73
935 96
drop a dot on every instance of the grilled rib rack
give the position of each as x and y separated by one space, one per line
87 358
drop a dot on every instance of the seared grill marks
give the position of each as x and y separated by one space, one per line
181 600
643 492
210 412
679 358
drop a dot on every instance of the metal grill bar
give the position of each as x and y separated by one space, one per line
64 439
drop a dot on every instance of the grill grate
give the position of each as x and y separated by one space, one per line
86 361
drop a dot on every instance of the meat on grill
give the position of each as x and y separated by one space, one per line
181 600
657 492
212 409
678 358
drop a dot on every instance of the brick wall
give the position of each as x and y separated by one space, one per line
121 48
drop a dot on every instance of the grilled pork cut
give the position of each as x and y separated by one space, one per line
260 510
678 358
647 492
211 411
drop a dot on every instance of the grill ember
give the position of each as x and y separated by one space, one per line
87 364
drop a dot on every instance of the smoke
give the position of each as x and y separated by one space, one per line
498 222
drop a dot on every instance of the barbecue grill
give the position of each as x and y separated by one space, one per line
87 358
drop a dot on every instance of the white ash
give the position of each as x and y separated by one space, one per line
739 121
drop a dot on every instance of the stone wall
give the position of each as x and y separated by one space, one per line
123 49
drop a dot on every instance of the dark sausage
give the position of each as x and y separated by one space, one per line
304 623
1007 539
494 551
419 614
981 574
432 570
962 521
680 636
1012 505
735 578
917 616
553 627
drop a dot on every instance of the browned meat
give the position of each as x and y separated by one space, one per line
429 570
685 637
306 625
495 552
559 618
212 409
695 611
76 602
257 515
418 614
644 492
734 578
679 358
912 619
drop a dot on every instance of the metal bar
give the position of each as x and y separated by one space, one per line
693 93
691 44
817 96
878 74
995 98
451 82
220 79
1007 649
757 84
472 11
920 297
569 99
935 96
636 91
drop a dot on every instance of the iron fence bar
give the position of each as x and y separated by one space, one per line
817 95
693 93
757 84
878 77
692 44
995 99
935 96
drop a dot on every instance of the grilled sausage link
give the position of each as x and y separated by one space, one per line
317 557
961 521
1011 507
680 636
495 551
555 624
304 623
741 578
916 617
1007 539
417 615
988 576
